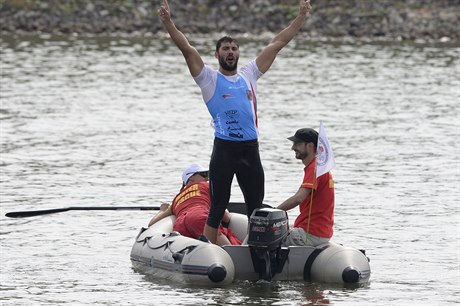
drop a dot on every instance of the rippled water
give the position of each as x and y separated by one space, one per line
113 121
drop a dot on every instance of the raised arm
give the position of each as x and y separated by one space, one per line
265 59
192 57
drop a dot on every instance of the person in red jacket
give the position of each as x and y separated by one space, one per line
191 207
314 225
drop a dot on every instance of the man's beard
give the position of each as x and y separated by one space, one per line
301 155
226 66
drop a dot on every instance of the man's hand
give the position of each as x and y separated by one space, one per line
164 206
164 12
305 7
192 57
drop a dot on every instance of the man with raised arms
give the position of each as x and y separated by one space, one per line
231 98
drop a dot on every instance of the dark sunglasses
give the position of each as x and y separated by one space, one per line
202 174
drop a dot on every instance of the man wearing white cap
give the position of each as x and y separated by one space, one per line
191 207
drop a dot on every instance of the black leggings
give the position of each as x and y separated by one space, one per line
229 158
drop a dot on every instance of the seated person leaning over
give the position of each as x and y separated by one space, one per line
191 207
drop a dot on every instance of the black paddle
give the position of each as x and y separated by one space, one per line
232 207
32 213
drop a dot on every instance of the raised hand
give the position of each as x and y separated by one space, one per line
164 11
304 7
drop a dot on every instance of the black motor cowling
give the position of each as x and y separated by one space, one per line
268 227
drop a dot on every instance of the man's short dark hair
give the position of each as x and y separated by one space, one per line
226 39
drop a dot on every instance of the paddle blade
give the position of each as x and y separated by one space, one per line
32 213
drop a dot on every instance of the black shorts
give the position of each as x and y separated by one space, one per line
229 158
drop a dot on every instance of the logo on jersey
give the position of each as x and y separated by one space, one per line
227 96
232 113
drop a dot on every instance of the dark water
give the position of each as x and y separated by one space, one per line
113 121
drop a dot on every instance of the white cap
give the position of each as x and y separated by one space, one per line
191 170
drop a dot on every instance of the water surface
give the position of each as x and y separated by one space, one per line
93 121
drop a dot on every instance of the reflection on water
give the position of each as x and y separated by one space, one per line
112 121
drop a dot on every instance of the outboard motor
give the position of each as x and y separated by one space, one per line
268 227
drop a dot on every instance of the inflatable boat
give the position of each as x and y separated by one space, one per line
162 253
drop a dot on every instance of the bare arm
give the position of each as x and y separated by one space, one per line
295 200
163 213
192 57
266 58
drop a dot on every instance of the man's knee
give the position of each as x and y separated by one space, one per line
298 237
